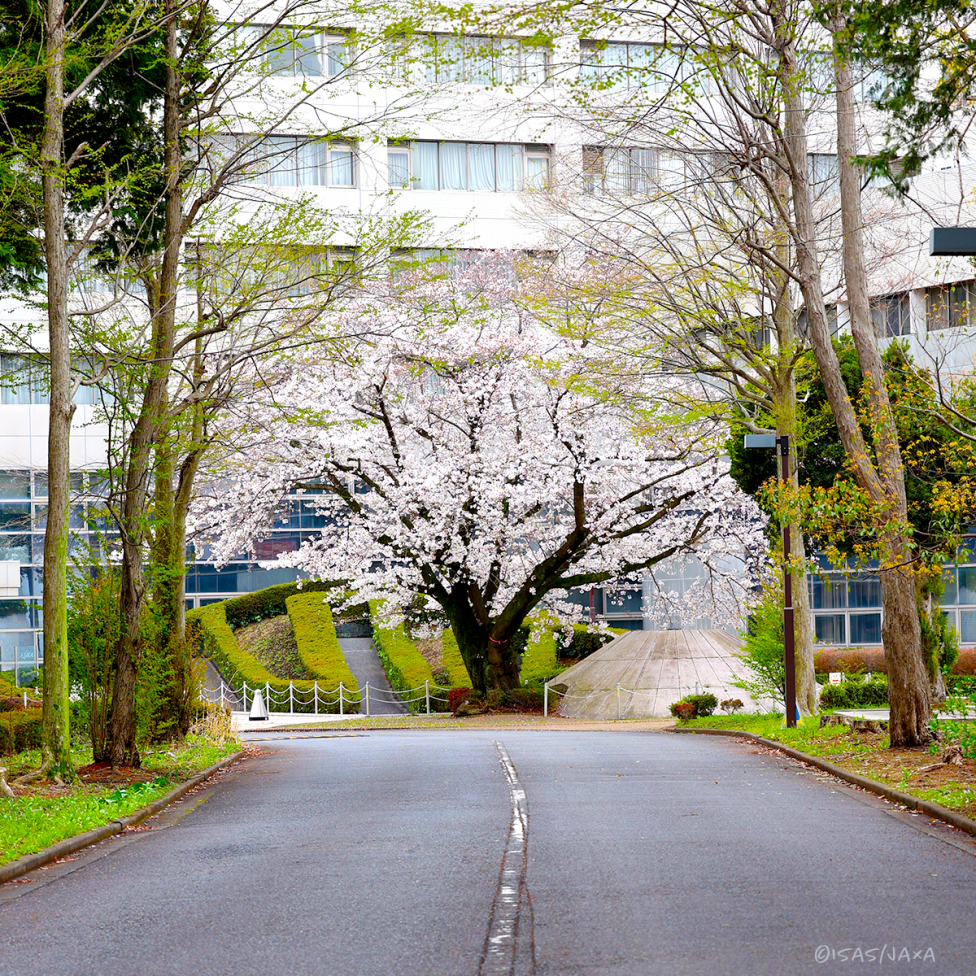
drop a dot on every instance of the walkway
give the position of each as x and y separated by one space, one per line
659 667
365 664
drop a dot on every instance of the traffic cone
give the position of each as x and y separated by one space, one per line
258 709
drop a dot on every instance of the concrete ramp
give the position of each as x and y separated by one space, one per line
654 668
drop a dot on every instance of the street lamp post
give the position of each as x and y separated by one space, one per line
789 631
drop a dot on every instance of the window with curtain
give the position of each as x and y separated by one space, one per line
469 60
453 165
481 167
295 161
626 64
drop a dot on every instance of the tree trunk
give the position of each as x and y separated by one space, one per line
169 584
881 483
147 426
908 678
488 656
55 736
901 635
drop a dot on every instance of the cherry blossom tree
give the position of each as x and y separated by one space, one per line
460 456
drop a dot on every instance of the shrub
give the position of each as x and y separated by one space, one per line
457 673
684 710
404 664
207 627
20 731
704 704
456 697
856 694
539 661
584 640
731 705
318 646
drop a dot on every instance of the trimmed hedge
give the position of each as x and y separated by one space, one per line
269 602
207 627
453 661
856 694
405 666
20 731
318 646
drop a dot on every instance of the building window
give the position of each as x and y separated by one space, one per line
621 172
448 59
823 172
891 315
657 67
295 161
803 323
950 306
471 166
295 53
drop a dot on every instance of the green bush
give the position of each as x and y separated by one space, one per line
318 646
20 731
269 602
405 666
539 661
704 704
208 629
457 673
856 694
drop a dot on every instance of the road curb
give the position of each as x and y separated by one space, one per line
30 862
936 810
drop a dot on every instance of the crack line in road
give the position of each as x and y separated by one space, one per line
501 942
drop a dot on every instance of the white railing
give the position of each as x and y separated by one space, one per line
317 700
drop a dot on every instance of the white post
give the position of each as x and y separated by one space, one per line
367 699
545 700
427 694
341 712
244 694
315 692
618 700
291 697
267 696
25 699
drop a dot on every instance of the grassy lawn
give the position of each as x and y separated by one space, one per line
42 814
916 771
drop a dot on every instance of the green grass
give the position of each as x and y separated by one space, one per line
831 740
32 822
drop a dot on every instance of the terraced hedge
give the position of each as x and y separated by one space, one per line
269 602
405 666
212 634
453 662
318 646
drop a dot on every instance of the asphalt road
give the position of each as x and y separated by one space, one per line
446 854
